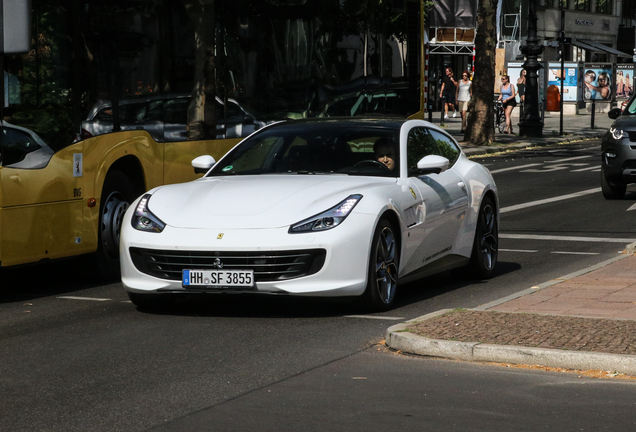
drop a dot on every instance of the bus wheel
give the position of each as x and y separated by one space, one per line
117 194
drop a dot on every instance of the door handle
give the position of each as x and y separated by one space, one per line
461 185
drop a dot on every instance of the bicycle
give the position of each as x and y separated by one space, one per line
500 116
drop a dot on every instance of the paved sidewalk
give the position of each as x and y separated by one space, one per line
575 128
585 320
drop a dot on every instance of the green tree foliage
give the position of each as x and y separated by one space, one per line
45 95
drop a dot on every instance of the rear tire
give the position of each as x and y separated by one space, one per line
611 190
117 194
486 245
383 269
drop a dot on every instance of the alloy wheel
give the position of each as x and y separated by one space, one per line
385 265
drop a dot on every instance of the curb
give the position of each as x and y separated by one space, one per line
398 337
472 150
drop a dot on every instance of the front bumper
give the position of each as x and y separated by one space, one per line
344 272
618 158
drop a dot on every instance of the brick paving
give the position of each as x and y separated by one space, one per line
533 330
594 312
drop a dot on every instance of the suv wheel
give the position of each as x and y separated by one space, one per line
612 190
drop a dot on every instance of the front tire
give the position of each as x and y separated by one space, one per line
612 190
117 194
486 245
383 269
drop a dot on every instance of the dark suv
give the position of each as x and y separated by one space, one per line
618 152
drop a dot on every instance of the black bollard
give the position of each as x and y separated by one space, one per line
593 111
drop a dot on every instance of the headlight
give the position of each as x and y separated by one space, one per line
328 219
144 220
617 133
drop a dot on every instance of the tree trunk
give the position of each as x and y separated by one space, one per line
202 109
481 128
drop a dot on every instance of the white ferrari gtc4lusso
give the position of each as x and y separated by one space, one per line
325 207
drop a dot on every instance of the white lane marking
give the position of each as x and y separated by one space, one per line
514 168
549 200
633 207
375 317
575 253
586 169
552 168
517 250
566 238
83 298
571 159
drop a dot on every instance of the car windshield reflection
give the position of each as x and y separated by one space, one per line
306 148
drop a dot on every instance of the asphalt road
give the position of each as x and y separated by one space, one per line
76 355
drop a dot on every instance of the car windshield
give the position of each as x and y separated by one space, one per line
631 107
349 148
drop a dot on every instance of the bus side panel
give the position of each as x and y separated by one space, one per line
42 231
41 209
179 155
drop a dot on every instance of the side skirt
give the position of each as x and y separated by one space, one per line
446 263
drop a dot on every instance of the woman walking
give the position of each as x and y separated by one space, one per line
507 96
464 93
521 86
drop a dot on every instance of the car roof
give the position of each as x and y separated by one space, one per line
388 122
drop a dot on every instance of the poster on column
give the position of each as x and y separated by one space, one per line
624 80
569 75
597 81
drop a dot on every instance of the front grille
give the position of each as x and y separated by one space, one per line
267 266
632 136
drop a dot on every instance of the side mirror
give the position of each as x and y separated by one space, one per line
202 164
614 113
432 164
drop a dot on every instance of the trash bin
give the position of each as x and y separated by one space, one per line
553 102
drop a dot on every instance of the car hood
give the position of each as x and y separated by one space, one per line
253 202
625 121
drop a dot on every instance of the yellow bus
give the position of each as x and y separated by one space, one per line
98 109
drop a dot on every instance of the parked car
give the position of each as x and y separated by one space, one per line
377 102
618 152
315 207
165 116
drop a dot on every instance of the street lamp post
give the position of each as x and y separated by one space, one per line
530 123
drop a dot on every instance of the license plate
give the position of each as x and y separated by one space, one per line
218 278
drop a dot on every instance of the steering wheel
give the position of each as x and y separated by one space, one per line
371 162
